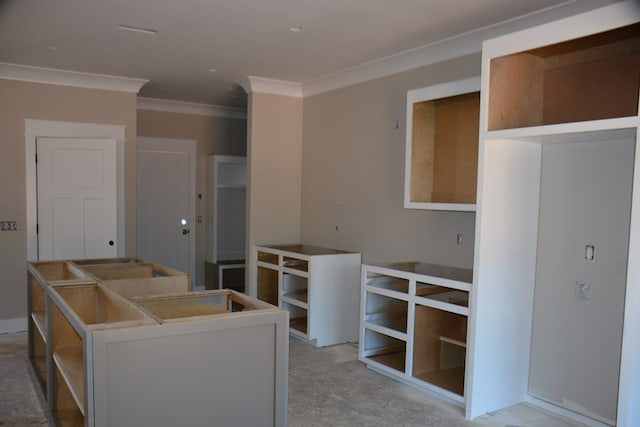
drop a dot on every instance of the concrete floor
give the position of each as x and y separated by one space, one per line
327 387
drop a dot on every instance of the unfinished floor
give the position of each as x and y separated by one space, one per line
327 387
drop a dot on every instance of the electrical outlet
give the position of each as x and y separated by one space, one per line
583 291
8 226
459 239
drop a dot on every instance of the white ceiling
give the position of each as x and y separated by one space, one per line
237 38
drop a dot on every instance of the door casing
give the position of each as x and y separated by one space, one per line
59 129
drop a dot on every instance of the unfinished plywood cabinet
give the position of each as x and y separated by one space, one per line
413 324
117 342
319 287
441 152
550 94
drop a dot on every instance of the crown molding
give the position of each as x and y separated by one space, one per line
253 84
170 106
32 74
444 50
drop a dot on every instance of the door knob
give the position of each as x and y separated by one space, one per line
110 242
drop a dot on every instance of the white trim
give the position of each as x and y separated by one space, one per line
188 146
53 76
53 129
10 326
442 50
166 105
565 413
253 84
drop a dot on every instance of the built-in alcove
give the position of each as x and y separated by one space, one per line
589 78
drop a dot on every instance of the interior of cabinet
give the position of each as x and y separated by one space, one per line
589 78
439 348
37 330
295 287
268 257
166 308
387 282
38 354
386 311
94 304
68 358
53 271
444 149
295 263
65 409
298 317
136 270
384 349
268 285
442 294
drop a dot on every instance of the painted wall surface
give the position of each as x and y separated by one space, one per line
214 135
353 173
23 100
585 199
274 162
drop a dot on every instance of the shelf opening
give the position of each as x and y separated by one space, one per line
440 348
589 78
386 350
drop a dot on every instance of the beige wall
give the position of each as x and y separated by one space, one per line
214 135
274 148
353 173
22 100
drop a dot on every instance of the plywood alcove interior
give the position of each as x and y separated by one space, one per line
445 149
591 78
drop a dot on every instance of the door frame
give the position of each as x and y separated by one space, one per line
35 129
188 146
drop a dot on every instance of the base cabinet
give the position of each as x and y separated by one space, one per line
414 324
160 355
319 287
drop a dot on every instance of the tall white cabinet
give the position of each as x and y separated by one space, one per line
569 83
226 213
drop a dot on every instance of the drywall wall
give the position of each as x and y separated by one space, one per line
585 199
214 135
24 100
353 173
274 153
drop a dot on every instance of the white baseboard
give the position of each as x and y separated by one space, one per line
9 326
566 413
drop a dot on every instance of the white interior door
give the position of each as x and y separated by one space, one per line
77 198
166 202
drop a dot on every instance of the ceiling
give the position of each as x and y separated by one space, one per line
236 38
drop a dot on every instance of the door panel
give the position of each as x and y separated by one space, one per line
585 200
164 193
77 203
